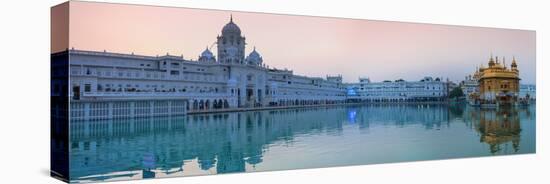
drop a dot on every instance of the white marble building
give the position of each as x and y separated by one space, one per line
232 79
426 89
528 90
469 85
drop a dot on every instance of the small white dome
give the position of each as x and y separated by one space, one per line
207 56
254 57
207 53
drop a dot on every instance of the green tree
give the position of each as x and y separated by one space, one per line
456 93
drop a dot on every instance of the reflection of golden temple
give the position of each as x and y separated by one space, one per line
498 84
499 127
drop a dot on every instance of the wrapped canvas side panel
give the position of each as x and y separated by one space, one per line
59 101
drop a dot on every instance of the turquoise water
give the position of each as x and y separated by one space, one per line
293 139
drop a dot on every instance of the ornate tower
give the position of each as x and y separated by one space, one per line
231 44
514 65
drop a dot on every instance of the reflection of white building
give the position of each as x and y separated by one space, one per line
207 137
232 79
528 89
401 90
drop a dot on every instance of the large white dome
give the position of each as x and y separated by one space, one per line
231 28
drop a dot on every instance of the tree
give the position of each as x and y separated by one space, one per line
456 93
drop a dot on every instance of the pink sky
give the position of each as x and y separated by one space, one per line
313 46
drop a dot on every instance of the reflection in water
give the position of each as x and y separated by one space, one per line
148 163
352 113
499 127
292 138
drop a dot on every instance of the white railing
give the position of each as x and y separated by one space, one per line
153 94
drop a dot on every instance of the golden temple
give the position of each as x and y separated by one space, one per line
498 85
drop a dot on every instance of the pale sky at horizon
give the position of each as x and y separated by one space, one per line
312 46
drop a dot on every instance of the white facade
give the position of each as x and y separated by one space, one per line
230 80
427 89
528 89
469 86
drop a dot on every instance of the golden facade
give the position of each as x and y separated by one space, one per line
498 84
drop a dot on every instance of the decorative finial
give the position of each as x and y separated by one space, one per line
230 17
254 48
514 64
